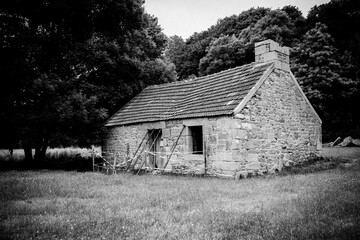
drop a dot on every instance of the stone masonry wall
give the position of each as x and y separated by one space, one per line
217 138
120 140
275 128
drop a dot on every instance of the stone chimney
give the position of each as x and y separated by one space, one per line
270 51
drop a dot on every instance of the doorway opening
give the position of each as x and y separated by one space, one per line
154 156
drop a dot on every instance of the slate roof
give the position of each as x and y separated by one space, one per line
213 95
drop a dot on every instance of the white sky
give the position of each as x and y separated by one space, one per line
184 17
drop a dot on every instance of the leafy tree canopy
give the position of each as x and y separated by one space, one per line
203 49
342 17
320 71
68 64
222 53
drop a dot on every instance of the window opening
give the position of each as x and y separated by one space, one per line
196 139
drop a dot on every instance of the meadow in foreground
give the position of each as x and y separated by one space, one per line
73 205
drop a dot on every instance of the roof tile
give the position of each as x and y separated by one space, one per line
213 95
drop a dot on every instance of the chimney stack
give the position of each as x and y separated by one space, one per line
270 51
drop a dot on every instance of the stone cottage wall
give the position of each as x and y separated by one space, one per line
275 128
217 137
121 141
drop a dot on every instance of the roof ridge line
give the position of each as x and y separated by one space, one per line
202 77
225 70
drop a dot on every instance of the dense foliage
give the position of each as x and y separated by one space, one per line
325 54
67 65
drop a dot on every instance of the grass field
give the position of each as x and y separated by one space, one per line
85 205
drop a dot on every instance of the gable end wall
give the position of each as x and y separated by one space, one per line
282 127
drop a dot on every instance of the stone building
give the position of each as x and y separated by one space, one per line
249 119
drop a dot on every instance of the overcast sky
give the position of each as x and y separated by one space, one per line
184 17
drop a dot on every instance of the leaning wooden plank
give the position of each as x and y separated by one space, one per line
114 164
106 162
173 147
142 140
149 148
135 159
142 163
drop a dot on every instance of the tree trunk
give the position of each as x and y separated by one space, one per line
28 155
40 151
37 156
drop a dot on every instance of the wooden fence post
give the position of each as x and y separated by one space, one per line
205 157
114 163
93 157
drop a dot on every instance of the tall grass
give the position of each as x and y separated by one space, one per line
73 205
71 158
51 153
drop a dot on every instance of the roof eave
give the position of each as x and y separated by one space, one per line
107 124
167 119
304 96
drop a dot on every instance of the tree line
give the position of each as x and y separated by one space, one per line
66 65
324 56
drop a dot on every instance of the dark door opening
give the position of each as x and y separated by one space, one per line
154 148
